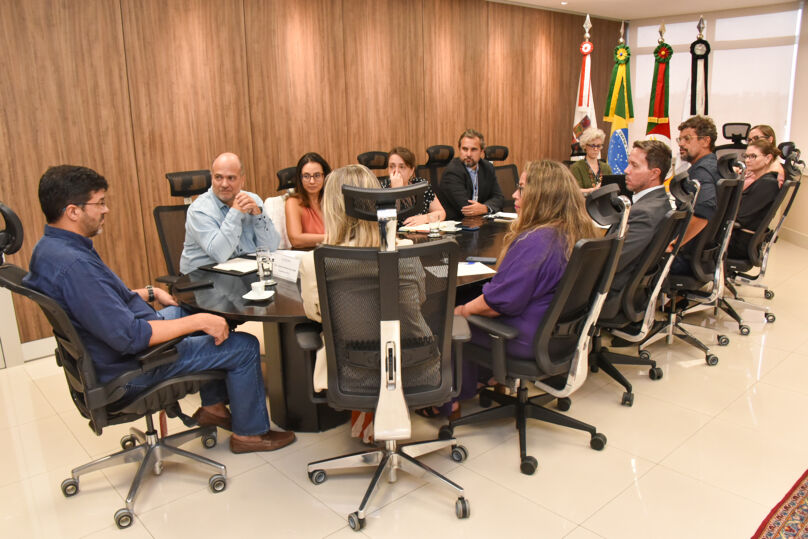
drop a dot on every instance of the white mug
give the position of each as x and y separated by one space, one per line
258 287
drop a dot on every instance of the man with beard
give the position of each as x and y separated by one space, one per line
697 137
468 186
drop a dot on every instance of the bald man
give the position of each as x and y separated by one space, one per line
226 221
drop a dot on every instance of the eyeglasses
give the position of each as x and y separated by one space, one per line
317 176
595 146
687 138
756 137
750 156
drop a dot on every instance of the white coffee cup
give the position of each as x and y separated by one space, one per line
258 287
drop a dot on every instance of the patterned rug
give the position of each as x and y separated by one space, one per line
789 518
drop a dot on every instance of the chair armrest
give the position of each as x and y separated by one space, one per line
460 329
500 333
168 279
308 336
159 354
492 325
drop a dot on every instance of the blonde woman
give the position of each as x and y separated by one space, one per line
551 218
342 229
589 170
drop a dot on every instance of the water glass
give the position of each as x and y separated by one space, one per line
263 258
434 225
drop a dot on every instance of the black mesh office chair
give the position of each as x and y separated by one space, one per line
286 178
562 341
400 355
707 265
438 157
629 313
760 245
170 220
105 404
507 175
737 134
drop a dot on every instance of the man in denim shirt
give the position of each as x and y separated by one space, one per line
225 222
115 322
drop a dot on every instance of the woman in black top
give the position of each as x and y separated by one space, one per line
401 168
758 195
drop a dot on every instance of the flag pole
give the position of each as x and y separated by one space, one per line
619 105
584 103
699 53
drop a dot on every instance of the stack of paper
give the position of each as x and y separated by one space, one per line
238 265
446 226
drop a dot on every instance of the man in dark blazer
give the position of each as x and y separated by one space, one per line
468 186
648 163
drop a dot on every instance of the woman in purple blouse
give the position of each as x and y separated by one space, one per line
551 218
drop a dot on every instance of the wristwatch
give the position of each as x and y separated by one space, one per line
150 290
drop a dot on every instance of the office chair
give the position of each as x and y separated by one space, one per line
760 245
170 220
707 266
105 404
438 157
737 134
286 178
374 160
507 175
275 207
400 356
562 341
629 313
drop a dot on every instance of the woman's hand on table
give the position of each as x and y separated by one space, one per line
415 220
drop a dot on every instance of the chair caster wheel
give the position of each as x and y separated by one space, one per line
628 399
768 294
318 477
745 330
462 508
655 373
445 432
564 403
485 400
355 522
209 440
712 360
723 340
123 518
598 441
217 483
770 318
70 487
459 453
128 442
529 465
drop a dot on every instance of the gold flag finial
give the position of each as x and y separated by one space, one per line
661 33
622 32
701 26
587 27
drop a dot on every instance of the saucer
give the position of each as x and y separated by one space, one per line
253 296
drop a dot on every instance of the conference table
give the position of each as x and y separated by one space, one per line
286 374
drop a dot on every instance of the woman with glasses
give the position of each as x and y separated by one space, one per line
401 171
304 213
759 191
765 132
589 171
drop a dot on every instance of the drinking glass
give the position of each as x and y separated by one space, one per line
263 258
434 226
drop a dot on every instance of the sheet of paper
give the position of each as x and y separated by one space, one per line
504 215
444 225
464 269
238 265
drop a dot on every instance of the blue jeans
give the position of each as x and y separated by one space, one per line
239 355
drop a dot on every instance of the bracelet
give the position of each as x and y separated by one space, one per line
150 290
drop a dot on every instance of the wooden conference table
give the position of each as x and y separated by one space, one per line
285 375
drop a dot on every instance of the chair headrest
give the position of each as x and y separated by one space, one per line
496 153
188 183
682 188
11 236
727 165
439 155
605 206
736 132
373 160
363 203
286 178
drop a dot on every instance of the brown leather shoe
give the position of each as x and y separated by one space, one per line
270 441
207 419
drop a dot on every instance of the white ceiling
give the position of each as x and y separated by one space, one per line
641 9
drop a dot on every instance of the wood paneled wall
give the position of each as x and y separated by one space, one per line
138 88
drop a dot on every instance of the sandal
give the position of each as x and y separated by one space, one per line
430 412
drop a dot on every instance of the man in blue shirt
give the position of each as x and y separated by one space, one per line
697 136
226 221
115 322
468 186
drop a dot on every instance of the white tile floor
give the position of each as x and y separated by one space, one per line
704 452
